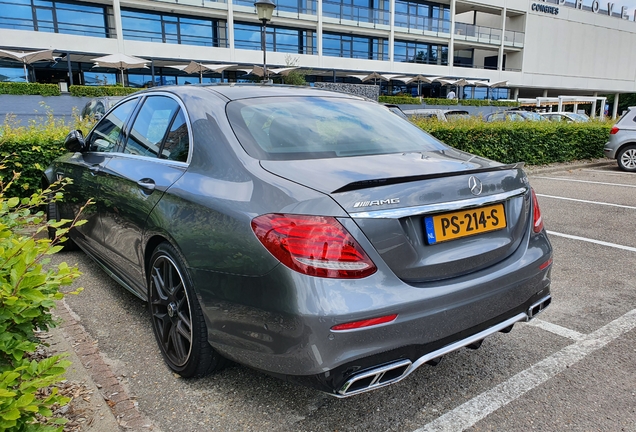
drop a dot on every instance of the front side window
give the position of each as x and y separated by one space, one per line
150 126
286 128
105 136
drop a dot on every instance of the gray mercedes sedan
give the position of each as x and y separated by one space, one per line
312 235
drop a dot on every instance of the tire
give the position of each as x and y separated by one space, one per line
53 213
626 158
177 318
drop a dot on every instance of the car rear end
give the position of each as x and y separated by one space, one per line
433 250
451 268
622 133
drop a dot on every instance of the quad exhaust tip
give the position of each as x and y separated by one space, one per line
393 372
538 307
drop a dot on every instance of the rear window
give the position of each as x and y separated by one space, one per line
289 128
627 116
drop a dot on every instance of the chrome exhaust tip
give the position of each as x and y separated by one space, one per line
538 307
375 378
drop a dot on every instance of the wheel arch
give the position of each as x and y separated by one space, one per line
152 243
622 146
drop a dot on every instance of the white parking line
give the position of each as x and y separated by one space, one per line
586 181
608 172
586 201
476 409
598 242
557 329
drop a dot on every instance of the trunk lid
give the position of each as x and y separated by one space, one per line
405 204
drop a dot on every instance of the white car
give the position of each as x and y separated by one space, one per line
567 117
439 114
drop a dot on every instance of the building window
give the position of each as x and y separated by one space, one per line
422 16
464 58
99 78
415 52
174 29
293 6
279 39
372 11
54 17
349 46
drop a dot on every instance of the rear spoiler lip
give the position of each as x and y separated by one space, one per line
364 184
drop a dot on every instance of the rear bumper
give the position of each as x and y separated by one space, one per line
393 366
609 150
281 323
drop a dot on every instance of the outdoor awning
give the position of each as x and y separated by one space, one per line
27 58
199 68
120 61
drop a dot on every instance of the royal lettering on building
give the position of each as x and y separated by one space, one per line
588 5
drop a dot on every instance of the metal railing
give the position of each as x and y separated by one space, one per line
514 37
412 22
360 14
487 35
308 9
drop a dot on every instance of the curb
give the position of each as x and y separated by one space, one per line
124 410
567 166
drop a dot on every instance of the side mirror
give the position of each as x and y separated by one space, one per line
74 141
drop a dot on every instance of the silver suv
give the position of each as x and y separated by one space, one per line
622 141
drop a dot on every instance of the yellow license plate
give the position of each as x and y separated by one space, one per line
464 223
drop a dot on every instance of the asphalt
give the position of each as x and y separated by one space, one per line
114 409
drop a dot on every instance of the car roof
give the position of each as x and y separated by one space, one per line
235 91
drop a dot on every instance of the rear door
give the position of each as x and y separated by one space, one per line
154 156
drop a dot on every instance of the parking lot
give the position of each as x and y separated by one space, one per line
572 368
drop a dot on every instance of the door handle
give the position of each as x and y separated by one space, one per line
146 184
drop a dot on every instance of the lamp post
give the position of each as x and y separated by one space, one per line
264 10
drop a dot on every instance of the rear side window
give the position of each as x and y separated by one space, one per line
151 125
177 142
105 136
293 128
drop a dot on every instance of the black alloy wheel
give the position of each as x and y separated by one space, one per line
177 319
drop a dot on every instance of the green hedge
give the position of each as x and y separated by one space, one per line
97 91
29 150
13 88
535 143
486 102
439 101
400 100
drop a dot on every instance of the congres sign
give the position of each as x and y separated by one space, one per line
590 5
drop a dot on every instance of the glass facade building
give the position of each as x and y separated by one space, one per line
409 34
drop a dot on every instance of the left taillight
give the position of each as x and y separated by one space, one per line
313 245
537 218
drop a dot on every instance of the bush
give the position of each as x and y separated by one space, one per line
440 101
486 102
29 89
400 100
30 149
29 287
534 143
98 91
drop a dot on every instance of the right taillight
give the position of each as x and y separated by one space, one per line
313 245
536 219
613 130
